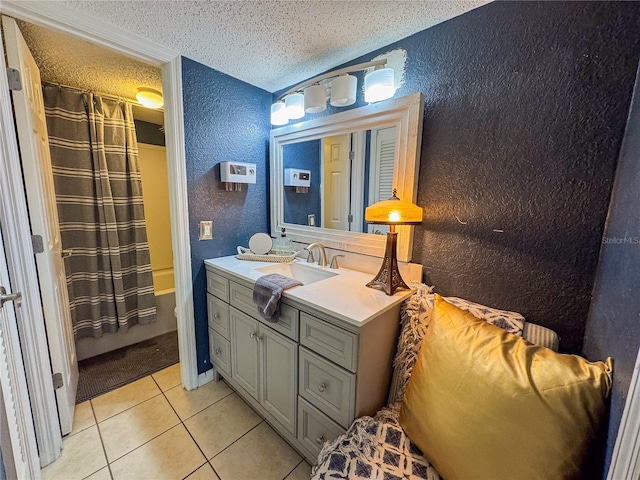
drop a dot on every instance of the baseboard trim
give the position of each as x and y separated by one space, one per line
205 377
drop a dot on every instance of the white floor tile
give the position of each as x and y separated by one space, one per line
100 475
221 424
302 472
188 403
205 472
82 456
168 378
128 430
82 417
130 395
261 453
172 455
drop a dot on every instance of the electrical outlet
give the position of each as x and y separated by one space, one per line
206 230
311 220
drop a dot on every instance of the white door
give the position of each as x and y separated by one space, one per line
36 167
382 161
336 181
17 435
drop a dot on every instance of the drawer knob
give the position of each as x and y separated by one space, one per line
216 316
320 440
259 338
252 334
218 351
322 387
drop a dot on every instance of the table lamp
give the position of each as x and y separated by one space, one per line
391 212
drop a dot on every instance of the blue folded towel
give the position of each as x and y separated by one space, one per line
267 292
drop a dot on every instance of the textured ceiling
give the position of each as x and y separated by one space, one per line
66 60
70 61
273 43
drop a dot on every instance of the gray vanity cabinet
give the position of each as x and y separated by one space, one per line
244 352
310 374
278 360
263 363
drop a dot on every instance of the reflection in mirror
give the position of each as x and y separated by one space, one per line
324 172
348 173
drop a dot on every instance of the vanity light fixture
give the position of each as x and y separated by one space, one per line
149 97
379 85
294 104
391 212
279 113
315 99
311 96
343 91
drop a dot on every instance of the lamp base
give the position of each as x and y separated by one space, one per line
388 278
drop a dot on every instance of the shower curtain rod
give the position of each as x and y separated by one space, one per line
104 95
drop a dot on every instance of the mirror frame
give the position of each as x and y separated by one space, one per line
405 113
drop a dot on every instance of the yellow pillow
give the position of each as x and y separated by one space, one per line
483 403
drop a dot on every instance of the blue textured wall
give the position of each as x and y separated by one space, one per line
525 107
613 328
224 119
304 155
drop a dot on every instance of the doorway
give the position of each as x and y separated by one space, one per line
17 227
123 185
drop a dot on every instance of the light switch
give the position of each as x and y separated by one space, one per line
206 230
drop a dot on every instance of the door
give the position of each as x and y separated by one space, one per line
336 181
17 435
383 151
244 351
278 361
36 166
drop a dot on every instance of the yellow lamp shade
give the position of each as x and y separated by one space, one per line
393 212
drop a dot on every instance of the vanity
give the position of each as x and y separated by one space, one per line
325 362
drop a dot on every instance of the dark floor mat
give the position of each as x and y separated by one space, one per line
114 369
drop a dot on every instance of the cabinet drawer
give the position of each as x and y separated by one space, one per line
218 313
331 342
328 387
315 428
220 351
242 298
218 286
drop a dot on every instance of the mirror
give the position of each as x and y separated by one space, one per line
319 191
346 173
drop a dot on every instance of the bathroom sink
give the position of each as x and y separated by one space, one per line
306 275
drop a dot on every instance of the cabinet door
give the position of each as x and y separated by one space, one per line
279 360
244 352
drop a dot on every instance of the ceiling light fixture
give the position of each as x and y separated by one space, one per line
343 89
149 97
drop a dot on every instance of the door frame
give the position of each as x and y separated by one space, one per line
70 21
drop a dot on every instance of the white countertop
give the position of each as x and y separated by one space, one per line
344 296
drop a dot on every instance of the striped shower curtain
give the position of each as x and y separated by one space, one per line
94 155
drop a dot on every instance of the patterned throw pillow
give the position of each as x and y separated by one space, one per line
415 315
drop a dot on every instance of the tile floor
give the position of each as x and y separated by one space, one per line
154 429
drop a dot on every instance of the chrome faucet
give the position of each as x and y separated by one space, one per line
334 261
322 261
